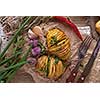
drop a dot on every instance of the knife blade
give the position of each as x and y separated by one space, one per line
90 63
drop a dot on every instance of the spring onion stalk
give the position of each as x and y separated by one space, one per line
9 73
24 58
3 75
16 34
13 66
10 58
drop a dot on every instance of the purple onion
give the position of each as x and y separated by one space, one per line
36 51
30 42
34 43
31 61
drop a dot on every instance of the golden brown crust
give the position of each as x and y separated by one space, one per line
61 43
55 70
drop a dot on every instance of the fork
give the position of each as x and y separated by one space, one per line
90 63
81 53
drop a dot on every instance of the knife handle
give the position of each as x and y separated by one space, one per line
74 72
81 79
71 78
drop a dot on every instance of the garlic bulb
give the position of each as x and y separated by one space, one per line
38 31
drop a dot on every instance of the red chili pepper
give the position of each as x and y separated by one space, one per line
67 21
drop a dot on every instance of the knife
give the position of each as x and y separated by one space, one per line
90 63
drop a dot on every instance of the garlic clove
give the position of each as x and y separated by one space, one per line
37 30
31 34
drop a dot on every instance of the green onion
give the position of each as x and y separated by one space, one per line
24 58
10 58
48 65
9 73
3 75
16 34
13 66
56 60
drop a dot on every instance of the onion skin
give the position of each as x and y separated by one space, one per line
31 61
31 35
34 43
36 51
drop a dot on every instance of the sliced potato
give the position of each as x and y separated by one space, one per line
58 39
63 52
59 47
53 70
59 69
66 56
50 68
57 34
65 40
51 34
42 61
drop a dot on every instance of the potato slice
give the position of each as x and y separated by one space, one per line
51 34
59 69
59 47
58 41
65 40
57 34
42 62
55 44
63 52
65 57
53 70
50 67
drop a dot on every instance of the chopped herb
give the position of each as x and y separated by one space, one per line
41 69
43 49
48 65
64 65
56 60
54 40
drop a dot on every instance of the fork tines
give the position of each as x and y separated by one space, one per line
84 46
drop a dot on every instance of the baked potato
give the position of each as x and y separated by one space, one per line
58 43
50 67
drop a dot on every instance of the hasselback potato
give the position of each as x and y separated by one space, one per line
58 43
50 67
